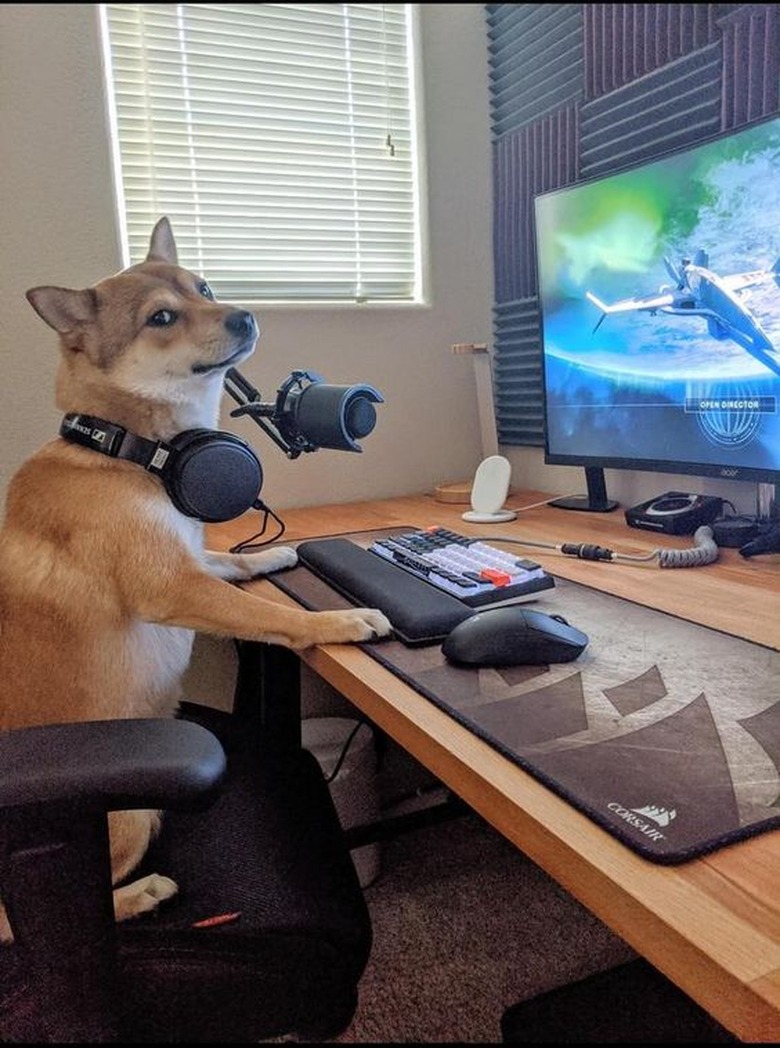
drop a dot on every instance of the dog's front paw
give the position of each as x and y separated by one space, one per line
268 560
357 624
143 896
374 620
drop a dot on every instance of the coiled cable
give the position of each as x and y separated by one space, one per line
704 551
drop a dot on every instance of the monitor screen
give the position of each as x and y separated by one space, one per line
660 306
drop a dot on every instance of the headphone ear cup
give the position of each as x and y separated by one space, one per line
212 475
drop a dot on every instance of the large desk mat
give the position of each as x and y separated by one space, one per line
663 732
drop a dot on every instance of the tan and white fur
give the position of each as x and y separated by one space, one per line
103 582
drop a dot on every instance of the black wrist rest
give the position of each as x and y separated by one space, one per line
419 612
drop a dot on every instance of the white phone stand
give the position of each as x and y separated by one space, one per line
489 491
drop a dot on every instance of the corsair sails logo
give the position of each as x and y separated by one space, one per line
660 816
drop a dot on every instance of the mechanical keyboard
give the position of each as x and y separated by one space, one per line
421 611
472 570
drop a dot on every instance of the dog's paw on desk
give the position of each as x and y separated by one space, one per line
268 560
343 627
243 567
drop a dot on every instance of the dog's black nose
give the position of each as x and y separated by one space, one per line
241 323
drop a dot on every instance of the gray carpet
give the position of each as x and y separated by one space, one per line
464 926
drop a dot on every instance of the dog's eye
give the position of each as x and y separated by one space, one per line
162 318
206 291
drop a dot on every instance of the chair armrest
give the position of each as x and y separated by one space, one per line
111 764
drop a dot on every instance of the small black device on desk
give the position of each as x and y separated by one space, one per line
418 594
675 513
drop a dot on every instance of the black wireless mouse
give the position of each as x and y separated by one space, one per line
513 635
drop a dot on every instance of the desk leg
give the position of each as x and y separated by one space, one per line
268 692
268 700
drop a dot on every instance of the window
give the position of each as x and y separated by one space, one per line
280 140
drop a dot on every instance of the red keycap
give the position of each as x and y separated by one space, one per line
498 578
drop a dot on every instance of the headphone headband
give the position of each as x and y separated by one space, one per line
110 439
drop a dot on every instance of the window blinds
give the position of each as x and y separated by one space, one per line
278 138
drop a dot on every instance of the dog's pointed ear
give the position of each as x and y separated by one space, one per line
62 308
162 246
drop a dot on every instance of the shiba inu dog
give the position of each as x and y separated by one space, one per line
103 580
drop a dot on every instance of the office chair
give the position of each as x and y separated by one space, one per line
250 829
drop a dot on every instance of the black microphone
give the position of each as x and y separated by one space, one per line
311 414
308 412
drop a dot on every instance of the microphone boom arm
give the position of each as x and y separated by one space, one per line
251 404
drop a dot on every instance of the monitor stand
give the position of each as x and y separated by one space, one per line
595 501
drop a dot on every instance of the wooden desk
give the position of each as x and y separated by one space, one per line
712 925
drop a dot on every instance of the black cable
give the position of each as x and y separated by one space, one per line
344 751
246 545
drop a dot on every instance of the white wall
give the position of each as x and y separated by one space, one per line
58 222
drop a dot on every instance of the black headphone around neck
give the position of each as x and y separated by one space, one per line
208 474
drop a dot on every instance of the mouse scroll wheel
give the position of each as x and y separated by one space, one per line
498 578
560 618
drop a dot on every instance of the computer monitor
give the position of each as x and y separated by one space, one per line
660 309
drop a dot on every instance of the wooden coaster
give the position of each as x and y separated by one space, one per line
459 494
